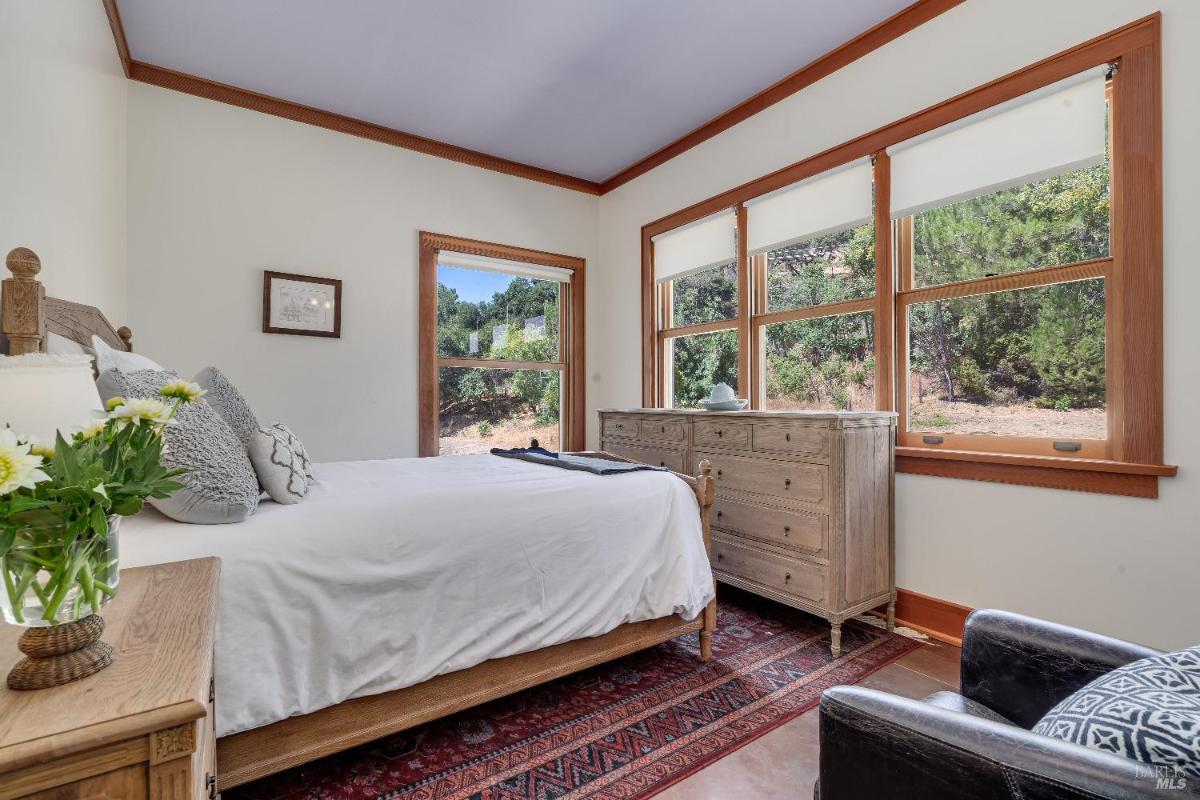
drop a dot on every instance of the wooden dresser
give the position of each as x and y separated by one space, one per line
142 729
804 510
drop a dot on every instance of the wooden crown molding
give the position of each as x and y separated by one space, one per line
118 31
243 98
866 42
872 39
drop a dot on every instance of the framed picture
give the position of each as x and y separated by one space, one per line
302 304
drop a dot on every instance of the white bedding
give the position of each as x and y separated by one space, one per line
392 572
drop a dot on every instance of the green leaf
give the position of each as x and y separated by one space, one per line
64 461
127 506
7 537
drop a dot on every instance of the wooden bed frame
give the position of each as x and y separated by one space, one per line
26 315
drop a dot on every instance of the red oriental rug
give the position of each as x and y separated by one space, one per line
626 729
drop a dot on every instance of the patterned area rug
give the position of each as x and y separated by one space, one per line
627 729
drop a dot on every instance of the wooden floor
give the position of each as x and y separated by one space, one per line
783 764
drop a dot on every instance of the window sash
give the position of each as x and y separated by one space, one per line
1030 279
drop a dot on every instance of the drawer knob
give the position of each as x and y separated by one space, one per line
720 434
720 556
787 577
662 463
787 483
787 529
720 514
787 437
718 473
664 428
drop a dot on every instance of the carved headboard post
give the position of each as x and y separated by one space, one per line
22 317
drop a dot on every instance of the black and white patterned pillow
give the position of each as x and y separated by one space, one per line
280 461
1148 711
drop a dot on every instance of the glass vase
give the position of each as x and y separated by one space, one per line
50 580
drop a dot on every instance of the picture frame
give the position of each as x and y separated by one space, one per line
302 305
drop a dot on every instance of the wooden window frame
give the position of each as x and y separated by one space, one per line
1132 457
571 362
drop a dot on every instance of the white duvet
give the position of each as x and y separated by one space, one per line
392 572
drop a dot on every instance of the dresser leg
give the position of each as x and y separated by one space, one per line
835 638
891 616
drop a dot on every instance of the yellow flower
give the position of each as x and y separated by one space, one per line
90 431
43 449
18 467
114 402
186 391
143 408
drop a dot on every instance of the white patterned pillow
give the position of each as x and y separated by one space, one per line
280 461
1148 711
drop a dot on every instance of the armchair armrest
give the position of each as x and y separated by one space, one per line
878 745
1022 667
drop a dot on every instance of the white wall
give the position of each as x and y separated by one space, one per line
62 147
217 194
1124 566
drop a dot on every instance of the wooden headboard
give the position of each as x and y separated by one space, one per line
27 314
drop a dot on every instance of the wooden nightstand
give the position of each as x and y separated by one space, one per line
142 729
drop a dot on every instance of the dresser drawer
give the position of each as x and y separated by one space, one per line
802 483
801 530
674 460
620 426
721 433
738 558
791 438
665 430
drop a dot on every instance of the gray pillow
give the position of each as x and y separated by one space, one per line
279 459
227 401
220 486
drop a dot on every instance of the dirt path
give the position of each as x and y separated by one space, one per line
507 433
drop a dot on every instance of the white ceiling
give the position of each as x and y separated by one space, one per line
582 87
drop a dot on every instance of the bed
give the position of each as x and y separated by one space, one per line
384 601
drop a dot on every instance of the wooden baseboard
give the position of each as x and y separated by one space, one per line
938 619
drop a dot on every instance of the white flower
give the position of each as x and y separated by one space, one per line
18 467
143 408
186 391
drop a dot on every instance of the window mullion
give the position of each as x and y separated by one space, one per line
885 307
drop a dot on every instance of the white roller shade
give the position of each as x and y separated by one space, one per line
831 201
524 270
699 245
1048 132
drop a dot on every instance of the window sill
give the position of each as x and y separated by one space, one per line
1075 474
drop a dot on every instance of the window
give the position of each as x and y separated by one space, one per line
992 365
989 268
696 279
505 354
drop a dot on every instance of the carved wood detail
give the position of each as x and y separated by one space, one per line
27 314
172 742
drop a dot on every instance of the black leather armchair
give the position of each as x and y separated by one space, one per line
977 744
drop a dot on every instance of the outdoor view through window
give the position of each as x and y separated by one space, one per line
496 317
1028 362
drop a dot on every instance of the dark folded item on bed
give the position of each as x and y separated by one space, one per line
596 466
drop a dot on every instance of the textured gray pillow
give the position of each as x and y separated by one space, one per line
221 485
227 401
280 461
